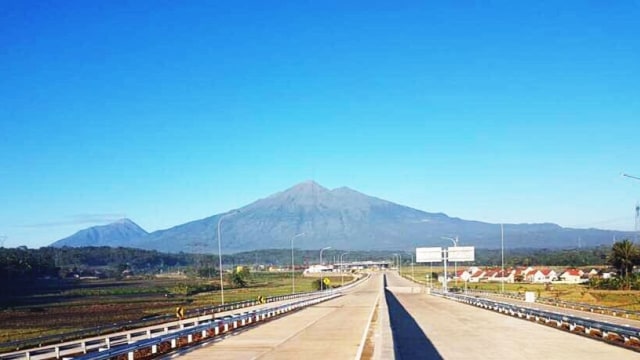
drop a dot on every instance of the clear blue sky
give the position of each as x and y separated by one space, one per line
171 111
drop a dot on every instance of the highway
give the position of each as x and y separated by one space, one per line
409 324
332 330
452 330
387 317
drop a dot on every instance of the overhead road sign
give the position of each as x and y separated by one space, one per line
461 253
430 254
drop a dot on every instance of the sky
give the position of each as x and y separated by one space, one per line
166 112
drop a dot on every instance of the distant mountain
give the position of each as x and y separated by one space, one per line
347 219
120 233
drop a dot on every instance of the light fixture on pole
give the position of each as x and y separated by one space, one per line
293 266
342 269
220 253
322 282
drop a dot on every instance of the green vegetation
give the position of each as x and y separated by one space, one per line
624 256
51 290
56 306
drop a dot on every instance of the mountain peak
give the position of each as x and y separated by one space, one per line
119 233
306 187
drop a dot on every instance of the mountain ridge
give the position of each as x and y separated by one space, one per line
347 219
119 233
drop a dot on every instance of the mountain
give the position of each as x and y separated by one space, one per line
347 219
120 233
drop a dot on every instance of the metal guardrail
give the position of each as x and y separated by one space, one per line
212 328
113 344
565 304
589 307
131 329
623 335
133 324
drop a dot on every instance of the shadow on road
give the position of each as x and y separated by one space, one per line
409 340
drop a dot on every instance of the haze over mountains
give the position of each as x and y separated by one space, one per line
341 218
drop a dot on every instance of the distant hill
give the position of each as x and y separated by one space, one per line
347 219
120 233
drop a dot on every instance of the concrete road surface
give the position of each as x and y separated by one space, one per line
331 330
429 327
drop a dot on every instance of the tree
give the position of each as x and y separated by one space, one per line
240 276
624 255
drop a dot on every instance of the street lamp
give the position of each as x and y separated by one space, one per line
342 269
220 254
293 266
413 274
637 229
321 282
455 263
502 251
397 258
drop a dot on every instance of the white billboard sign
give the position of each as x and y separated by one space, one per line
430 254
461 253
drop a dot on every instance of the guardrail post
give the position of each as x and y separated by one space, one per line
174 343
84 347
130 355
57 352
154 349
107 342
149 334
27 355
128 338
190 338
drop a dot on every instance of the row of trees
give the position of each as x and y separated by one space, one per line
23 263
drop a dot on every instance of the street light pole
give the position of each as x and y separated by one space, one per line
342 269
637 229
321 282
502 251
293 266
413 274
220 254
455 263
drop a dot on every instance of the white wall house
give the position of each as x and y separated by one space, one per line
541 276
572 276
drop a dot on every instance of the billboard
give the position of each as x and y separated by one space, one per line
461 253
430 254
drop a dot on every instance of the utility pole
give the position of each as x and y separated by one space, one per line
637 224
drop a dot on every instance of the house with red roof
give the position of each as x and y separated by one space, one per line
477 276
572 276
540 276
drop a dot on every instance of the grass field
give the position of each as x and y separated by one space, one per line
627 300
80 304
